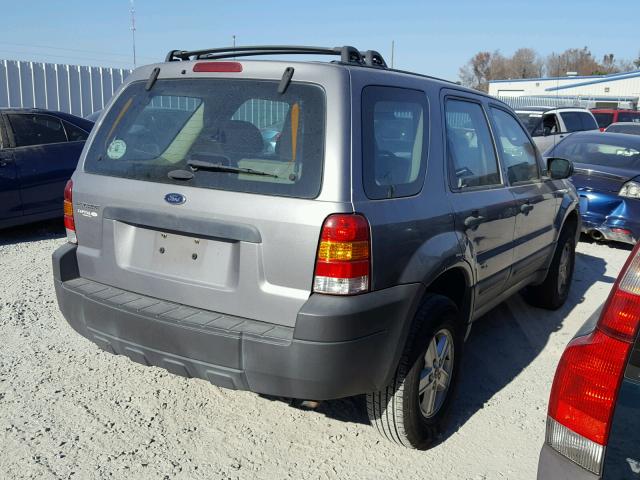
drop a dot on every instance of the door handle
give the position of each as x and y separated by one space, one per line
473 221
526 208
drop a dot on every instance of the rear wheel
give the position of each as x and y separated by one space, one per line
413 408
553 292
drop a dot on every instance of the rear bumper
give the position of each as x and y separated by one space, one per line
340 346
607 216
553 466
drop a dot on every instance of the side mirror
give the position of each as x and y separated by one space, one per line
546 131
559 168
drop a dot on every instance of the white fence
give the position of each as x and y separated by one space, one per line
75 89
558 101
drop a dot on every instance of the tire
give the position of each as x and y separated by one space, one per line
399 412
554 290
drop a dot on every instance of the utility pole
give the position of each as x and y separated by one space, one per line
393 47
133 32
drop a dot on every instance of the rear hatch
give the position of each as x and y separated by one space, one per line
186 193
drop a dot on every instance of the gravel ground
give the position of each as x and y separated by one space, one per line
69 410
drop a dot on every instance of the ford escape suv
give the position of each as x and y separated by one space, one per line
347 254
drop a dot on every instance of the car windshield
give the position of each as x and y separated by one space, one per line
618 153
530 120
631 128
603 119
242 124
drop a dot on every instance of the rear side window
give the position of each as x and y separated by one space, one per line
394 141
603 119
578 121
36 129
223 123
469 146
518 153
75 134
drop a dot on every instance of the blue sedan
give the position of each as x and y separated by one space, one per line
607 178
39 151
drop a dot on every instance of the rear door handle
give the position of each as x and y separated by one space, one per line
526 208
473 221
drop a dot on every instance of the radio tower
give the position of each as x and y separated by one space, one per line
133 32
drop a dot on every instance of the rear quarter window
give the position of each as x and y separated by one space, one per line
395 130
240 124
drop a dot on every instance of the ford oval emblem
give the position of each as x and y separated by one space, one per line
175 198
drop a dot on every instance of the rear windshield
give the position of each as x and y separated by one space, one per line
603 119
578 121
631 128
629 117
606 152
240 125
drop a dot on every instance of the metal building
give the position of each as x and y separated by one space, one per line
616 90
75 89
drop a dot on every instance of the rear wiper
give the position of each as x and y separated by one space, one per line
218 167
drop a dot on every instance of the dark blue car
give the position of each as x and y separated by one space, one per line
607 178
593 422
39 150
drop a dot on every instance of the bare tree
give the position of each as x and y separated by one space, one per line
579 60
525 63
636 62
476 72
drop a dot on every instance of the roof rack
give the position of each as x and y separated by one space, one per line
348 55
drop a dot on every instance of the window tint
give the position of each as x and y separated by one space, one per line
394 141
30 129
629 117
518 153
603 119
147 134
578 121
75 134
469 146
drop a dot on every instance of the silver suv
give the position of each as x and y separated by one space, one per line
348 253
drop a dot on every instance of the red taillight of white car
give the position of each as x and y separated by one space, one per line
342 263
589 374
69 222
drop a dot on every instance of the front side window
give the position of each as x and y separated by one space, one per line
36 129
470 150
394 141
221 123
517 151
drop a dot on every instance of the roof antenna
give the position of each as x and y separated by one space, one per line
133 31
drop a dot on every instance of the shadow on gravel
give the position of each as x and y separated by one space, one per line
32 232
508 338
351 409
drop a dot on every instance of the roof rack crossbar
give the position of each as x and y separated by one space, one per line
348 54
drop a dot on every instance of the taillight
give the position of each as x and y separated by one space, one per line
69 223
343 259
586 384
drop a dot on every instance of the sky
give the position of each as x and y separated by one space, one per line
434 38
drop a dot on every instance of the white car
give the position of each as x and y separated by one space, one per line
549 125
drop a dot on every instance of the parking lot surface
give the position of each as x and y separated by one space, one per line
69 410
